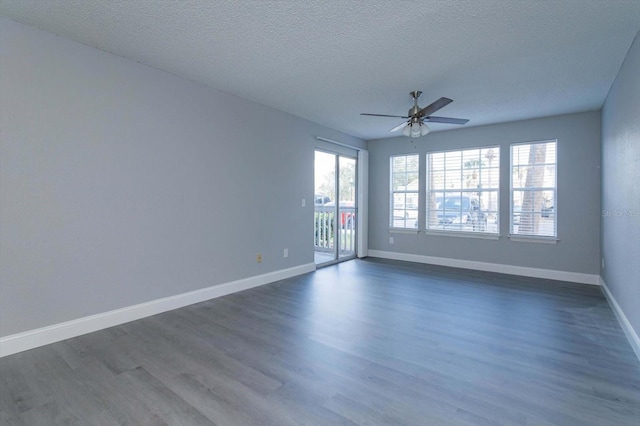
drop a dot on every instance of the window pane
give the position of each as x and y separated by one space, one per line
453 159
490 178
404 183
412 181
412 163
437 161
454 179
471 158
398 163
399 181
437 180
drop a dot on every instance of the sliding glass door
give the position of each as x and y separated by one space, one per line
335 207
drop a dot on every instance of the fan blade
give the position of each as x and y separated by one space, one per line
430 109
398 127
448 120
384 115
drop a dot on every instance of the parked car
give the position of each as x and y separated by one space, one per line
461 210
321 200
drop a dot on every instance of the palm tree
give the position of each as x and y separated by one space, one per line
532 201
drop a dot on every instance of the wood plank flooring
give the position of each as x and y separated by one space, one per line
364 342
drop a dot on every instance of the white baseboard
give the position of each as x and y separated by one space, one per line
631 334
550 274
54 333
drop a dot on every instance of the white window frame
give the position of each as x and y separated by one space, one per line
554 189
491 219
410 212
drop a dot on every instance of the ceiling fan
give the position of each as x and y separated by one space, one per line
415 125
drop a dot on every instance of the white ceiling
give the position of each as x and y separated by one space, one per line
327 60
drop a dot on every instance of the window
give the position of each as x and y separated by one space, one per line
404 191
463 190
533 189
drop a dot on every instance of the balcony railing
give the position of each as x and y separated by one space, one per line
325 226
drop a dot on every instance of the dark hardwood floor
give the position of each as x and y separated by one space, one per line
364 342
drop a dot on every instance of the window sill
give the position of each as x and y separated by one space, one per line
482 236
528 239
403 231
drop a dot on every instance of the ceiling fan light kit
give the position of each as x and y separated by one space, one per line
415 130
415 125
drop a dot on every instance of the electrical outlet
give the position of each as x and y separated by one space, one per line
603 263
286 252
390 240
304 202
259 258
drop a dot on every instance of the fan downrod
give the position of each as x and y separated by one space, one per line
414 110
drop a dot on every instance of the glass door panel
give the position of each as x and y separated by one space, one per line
347 207
324 216
334 208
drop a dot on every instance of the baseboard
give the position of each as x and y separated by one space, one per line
631 334
54 333
524 271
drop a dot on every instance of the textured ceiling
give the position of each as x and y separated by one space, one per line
327 60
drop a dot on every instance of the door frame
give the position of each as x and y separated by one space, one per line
337 228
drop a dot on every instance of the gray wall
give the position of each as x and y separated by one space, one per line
578 201
621 187
122 184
